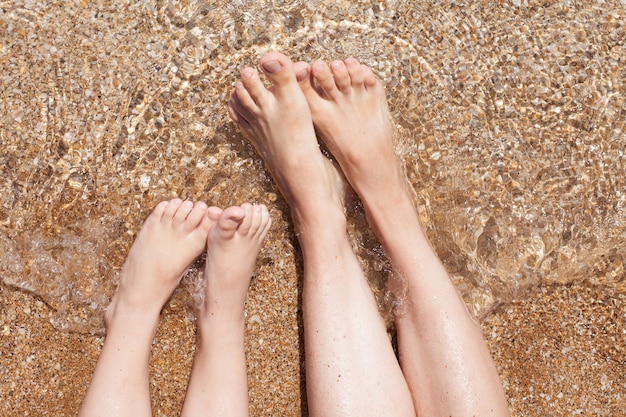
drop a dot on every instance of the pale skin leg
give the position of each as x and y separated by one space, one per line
443 356
351 368
170 239
218 384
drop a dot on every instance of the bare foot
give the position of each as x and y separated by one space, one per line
218 384
171 238
233 245
278 122
349 111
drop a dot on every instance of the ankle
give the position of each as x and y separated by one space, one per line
217 324
120 316
222 311
381 184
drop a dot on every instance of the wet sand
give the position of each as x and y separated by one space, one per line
561 353
511 122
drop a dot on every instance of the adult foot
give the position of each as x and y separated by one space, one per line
233 245
171 238
349 110
278 122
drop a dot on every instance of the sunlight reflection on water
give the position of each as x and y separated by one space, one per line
512 136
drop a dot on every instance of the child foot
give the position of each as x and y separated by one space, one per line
278 122
170 239
233 245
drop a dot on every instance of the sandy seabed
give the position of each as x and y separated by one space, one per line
511 119
561 354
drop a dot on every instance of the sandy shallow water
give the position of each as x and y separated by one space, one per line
511 120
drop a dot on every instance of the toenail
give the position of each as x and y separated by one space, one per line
272 66
319 67
247 73
302 75
336 65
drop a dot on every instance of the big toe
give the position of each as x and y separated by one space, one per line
229 221
279 70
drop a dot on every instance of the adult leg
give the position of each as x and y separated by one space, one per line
443 356
350 365
218 385
170 239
